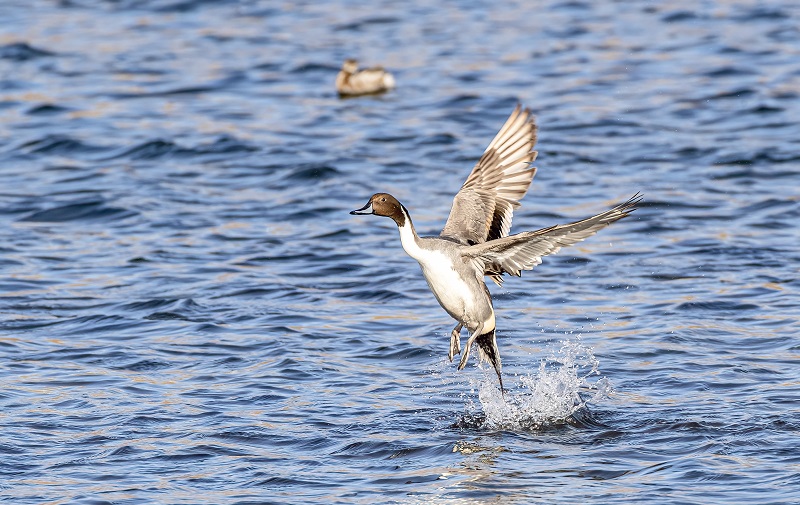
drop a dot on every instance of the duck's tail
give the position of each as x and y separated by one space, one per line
488 351
388 81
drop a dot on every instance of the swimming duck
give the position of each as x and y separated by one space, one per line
475 241
352 82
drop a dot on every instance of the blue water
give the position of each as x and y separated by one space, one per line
188 313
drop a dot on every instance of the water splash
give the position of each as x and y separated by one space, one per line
564 383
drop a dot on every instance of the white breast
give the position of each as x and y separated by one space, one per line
449 288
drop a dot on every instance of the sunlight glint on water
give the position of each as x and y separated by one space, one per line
188 313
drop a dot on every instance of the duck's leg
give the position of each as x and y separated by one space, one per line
467 347
455 341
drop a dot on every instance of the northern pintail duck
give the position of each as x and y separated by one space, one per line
475 242
352 82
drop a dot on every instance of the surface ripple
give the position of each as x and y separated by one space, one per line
188 313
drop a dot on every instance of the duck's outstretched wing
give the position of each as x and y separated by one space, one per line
511 255
483 208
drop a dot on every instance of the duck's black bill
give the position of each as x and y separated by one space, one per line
366 209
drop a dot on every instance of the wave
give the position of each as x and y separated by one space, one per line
95 210
22 51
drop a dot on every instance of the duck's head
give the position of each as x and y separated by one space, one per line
384 204
350 66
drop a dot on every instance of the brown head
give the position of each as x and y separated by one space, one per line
350 66
384 204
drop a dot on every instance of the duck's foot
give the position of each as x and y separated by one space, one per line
465 354
455 342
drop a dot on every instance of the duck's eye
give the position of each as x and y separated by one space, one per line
383 199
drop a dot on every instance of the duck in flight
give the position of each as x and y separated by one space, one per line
475 241
350 81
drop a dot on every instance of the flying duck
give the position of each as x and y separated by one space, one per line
475 241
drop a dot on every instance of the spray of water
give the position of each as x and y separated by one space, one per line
566 380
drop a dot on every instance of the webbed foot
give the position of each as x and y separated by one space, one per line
455 342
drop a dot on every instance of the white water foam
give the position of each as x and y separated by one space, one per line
567 379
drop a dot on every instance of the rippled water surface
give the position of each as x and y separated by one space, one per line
189 314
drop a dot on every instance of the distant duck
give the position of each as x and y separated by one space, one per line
475 242
353 82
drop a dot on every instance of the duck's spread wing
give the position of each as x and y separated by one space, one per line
525 250
483 208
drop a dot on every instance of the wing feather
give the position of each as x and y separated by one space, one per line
483 208
511 255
